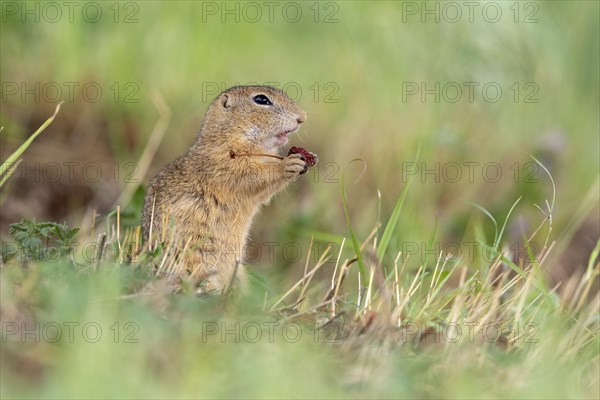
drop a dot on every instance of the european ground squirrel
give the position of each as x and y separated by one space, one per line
207 198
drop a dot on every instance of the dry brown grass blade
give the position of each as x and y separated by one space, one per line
305 284
229 289
160 128
307 311
101 247
233 154
300 282
151 229
369 290
336 285
310 246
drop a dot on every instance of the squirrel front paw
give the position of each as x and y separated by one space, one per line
294 166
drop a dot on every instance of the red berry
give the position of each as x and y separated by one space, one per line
307 156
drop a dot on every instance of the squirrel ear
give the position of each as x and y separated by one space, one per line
225 101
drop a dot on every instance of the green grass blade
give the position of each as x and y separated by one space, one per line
8 166
391 225
355 244
322 236
538 285
494 253
497 241
4 177
431 241
593 258
551 206
490 216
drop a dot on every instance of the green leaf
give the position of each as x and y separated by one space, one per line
391 225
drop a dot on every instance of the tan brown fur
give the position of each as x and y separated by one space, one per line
209 196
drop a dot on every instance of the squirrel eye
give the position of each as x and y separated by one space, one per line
262 99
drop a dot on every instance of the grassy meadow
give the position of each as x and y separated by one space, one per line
445 246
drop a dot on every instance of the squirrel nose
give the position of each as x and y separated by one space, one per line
301 117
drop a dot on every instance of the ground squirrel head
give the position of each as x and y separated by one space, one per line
259 115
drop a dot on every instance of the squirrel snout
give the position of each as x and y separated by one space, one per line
301 117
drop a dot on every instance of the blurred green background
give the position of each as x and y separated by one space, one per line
360 70
377 79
